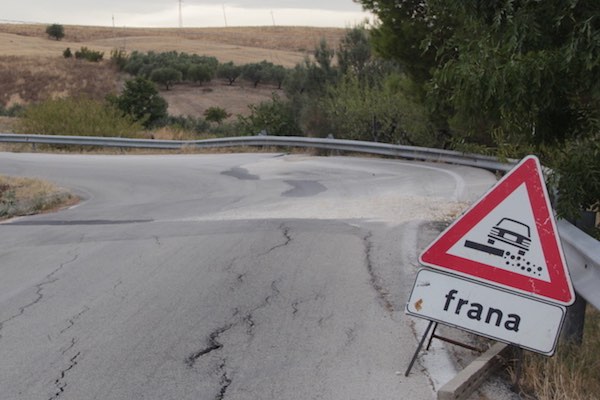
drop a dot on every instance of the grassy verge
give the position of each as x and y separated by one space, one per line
573 373
27 196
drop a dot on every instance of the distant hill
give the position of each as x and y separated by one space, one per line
32 67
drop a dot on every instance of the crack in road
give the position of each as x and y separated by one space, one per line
75 318
48 279
71 345
285 230
213 345
59 382
225 382
300 301
274 293
375 281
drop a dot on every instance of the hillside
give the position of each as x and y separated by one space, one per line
32 67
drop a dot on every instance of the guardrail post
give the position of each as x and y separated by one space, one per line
572 331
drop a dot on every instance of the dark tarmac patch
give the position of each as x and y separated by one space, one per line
241 174
303 189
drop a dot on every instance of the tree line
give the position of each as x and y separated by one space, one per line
169 68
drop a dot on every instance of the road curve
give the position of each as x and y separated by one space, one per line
238 276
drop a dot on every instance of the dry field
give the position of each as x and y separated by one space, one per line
32 67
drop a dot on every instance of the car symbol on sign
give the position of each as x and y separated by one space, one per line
511 232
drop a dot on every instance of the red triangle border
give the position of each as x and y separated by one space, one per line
559 289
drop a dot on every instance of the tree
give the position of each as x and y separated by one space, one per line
405 34
55 31
254 72
216 114
278 74
518 76
354 53
141 100
166 76
67 53
200 73
229 71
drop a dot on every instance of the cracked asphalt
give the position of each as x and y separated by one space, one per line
237 276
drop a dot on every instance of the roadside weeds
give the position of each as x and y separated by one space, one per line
27 196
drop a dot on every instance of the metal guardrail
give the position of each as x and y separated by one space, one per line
583 257
409 152
581 251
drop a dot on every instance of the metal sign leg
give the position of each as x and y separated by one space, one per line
412 362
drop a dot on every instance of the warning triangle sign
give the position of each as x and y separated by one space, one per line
508 238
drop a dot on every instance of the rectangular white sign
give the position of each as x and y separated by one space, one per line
486 310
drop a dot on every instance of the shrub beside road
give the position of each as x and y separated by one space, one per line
27 196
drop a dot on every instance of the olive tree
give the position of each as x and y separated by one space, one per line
55 31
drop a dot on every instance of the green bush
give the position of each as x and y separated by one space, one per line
275 117
56 31
189 123
119 58
67 53
216 114
379 112
80 117
89 55
16 110
141 100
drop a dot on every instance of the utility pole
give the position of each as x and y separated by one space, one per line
224 16
273 17
180 15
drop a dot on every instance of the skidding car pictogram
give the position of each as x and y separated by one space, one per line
508 231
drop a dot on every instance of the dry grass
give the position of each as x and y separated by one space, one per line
292 38
281 45
30 79
8 124
26 196
573 373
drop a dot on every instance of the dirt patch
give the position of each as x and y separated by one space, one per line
193 100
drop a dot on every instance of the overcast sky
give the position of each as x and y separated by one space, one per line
195 13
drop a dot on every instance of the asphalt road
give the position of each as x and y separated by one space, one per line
238 276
